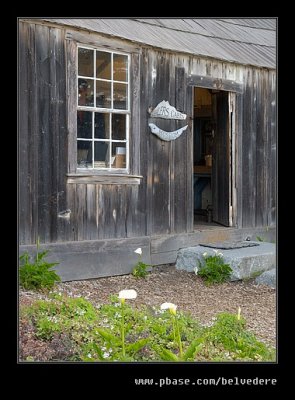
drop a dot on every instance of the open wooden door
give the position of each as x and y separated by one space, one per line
221 193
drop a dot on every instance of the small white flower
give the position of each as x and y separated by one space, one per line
89 355
138 251
204 254
106 354
215 251
220 254
169 306
127 294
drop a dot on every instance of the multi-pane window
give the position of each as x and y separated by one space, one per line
102 109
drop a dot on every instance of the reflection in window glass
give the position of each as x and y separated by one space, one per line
85 62
118 126
120 67
101 154
85 92
103 65
119 155
120 96
84 124
101 126
103 94
84 154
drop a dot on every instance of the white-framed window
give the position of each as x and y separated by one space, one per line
103 109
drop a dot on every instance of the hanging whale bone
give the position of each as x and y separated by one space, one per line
166 111
167 136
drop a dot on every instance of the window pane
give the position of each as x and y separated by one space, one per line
118 126
85 62
120 68
84 154
120 96
101 126
101 154
119 152
84 124
85 92
103 65
103 94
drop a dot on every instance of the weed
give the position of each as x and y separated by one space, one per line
213 270
37 274
140 269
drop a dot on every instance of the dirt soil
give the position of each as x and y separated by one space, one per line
163 284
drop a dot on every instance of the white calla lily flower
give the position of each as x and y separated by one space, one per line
138 251
239 313
169 306
127 294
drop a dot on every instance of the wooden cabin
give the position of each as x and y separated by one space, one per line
151 133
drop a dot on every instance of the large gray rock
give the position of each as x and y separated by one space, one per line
245 262
267 278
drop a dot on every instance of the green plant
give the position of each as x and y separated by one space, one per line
229 332
259 238
140 269
36 273
168 355
213 269
147 334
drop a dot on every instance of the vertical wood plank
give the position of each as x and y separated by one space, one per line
272 168
136 207
249 150
146 137
135 115
45 149
60 127
90 218
81 212
160 149
71 88
261 146
181 156
190 161
25 215
173 163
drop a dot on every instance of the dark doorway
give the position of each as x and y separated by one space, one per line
211 157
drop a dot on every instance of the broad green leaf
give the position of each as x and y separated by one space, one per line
166 354
193 348
112 339
135 347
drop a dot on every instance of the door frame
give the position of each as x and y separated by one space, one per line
234 89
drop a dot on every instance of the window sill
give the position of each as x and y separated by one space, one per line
106 179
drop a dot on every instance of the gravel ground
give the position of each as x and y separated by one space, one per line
166 284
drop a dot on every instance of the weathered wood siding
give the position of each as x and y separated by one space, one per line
43 132
258 148
162 203
167 165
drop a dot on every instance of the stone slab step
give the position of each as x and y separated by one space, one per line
246 262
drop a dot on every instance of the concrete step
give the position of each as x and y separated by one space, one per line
246 262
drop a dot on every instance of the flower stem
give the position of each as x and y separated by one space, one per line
179 338
174 329
123 330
